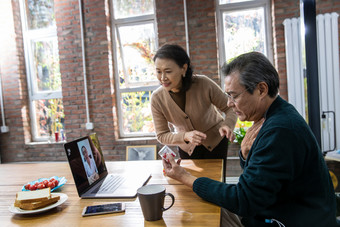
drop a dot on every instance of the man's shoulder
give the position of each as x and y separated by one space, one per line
288 121
282 113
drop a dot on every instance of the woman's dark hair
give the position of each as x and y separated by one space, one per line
254 68
180 56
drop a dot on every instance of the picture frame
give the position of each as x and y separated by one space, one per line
142 152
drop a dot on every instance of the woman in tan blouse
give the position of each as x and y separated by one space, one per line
184 108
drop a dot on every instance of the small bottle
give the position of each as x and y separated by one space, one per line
62 134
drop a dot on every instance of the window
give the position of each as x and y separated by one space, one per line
244 26
42 67
134 28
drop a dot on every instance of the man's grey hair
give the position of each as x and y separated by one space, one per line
254 68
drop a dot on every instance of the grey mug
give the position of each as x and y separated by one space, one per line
151 198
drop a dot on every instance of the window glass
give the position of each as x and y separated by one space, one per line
46 62
137 112
43 71
40 13
135 54
132 8
135 44
49 117
244 31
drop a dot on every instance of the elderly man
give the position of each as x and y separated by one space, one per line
285 181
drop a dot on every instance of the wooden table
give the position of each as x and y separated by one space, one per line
188 210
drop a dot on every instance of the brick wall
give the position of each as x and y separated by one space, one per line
171 26
12 69
201 32
15 145
202 35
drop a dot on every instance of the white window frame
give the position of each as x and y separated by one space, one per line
132 87
30 36
230 7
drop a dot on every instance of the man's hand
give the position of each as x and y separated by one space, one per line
227 132
173 170
250 137
195 137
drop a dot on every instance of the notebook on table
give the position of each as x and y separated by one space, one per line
91 176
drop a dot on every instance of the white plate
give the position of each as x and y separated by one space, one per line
17 210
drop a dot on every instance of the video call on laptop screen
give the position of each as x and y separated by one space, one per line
86 161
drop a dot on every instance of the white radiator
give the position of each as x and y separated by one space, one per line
294 65
329 79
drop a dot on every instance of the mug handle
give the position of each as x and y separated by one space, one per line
173 201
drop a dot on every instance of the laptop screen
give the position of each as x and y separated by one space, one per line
86 161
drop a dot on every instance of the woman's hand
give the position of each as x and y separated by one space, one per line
250 137
173 170
195 137
227 132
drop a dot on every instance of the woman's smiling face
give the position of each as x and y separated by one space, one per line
170 74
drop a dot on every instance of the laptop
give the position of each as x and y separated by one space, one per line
91 176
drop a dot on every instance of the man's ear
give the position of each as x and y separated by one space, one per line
263 88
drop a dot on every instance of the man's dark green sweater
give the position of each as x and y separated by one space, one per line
284 176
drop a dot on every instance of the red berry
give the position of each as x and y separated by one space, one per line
33 187
27 186
45 182
41 186
51 185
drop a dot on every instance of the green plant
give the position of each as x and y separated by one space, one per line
241 129
239 135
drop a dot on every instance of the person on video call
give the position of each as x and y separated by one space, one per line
90 166
285 181
188 102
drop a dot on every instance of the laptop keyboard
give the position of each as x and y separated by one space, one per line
110 184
